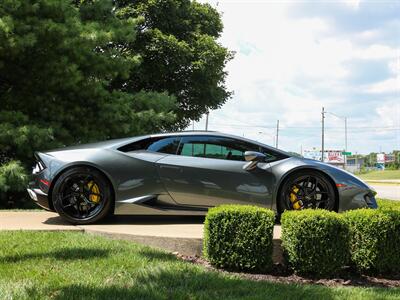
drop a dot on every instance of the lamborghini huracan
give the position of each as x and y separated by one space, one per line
186 173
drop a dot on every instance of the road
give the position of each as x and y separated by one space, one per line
387 191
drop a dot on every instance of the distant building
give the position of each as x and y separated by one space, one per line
354 164
333 157
382 159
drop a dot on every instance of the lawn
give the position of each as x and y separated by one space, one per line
381 175
70 265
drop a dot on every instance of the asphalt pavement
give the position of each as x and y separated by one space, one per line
387 190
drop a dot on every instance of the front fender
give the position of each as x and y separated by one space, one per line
351 191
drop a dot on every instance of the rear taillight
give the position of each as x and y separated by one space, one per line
39 167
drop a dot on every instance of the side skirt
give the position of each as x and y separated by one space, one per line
150 205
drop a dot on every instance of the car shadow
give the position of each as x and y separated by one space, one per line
136 220
153 220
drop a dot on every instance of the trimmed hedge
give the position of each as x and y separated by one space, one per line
239 237
315 242
375 239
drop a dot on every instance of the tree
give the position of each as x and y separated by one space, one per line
177 44
13 178
57 66
58 63
84 70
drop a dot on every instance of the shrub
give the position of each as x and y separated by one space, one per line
12 176
375 239
239 237
384 204
315 242
13 180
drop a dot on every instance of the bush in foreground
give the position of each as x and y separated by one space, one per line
315 242
375 239
239 237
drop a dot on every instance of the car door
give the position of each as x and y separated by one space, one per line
208 171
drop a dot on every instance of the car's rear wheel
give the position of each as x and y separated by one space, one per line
82 195
308 189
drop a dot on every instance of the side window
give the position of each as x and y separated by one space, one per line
215 147
165 145
272 155
193 149
138 145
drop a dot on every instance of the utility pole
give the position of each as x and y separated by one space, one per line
345 131
345 142
277 134
207 121
323 133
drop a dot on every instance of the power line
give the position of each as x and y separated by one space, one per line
312 127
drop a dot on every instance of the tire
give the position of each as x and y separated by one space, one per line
307 189
82 195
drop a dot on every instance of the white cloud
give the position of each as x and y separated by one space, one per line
391 85
375 51
288 68
354 4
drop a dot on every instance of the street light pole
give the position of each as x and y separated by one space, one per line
207 121
345 142
277 134
345 133
323 134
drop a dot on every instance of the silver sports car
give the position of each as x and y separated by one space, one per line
186 173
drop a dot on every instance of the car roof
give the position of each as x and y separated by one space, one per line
117 143
198 133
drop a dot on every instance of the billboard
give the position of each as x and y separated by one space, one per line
382 158
312 154
330 156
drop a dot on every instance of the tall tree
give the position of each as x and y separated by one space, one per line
83 70
57 67
177 43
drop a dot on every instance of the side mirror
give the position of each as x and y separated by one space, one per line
253 159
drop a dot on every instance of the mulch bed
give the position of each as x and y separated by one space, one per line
282 274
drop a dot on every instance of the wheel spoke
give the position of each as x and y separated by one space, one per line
73 194
68 205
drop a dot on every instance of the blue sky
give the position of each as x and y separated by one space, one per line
294 57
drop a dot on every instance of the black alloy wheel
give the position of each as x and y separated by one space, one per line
309 189
82 195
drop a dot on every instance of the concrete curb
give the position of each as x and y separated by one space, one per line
184 246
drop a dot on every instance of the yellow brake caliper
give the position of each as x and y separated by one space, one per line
94 192
297 204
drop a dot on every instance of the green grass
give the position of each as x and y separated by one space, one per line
67 265
381 175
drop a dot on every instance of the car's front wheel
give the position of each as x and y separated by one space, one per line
308 189
82 195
